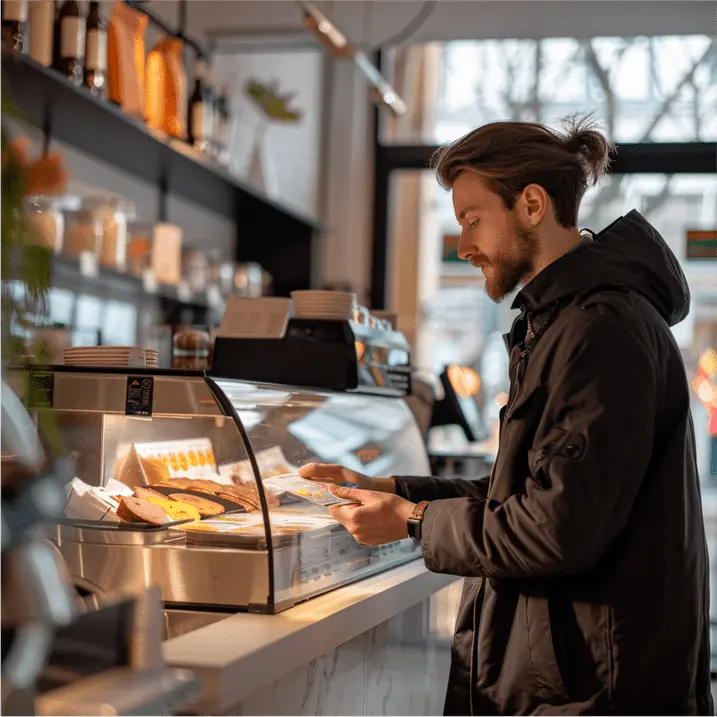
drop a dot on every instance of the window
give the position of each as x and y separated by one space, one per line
641 89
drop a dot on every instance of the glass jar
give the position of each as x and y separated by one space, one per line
195 270
139 248
248 280
83 234
113 215
47 220
190 349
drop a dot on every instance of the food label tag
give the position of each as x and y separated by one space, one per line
140 392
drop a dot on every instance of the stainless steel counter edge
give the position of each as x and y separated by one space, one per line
241 654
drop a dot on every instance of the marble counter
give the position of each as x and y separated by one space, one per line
378 647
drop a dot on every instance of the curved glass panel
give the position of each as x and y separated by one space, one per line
288 427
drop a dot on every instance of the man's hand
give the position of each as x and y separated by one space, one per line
376 519
331 473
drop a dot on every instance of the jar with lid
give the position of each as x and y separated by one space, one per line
83 235
190 348
195 270
139 248
113 215
47 221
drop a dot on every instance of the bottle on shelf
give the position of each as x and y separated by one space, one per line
166 88
201 109
71 33
95 65
14 24
42 23
222 126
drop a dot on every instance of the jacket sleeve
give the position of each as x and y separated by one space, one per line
421 488
593 450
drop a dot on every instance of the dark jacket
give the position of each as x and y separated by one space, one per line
585 553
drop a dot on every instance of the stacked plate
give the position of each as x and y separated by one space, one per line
328 305
112 356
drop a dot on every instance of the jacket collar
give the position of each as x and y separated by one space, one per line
565 277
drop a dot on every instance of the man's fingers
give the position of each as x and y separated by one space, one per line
322 471
353 494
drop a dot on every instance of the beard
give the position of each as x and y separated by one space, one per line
511 267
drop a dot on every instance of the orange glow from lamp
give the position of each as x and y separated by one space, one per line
465 381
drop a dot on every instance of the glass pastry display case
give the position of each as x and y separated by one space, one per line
201 451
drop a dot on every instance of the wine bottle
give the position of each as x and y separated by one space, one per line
200 115
72 41
14 22
95 65
42 23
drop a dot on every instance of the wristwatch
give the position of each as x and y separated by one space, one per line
415 520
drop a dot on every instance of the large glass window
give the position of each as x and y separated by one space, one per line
641 89
454 322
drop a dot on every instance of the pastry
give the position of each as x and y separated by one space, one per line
246 504
250 490
139 510
177 510
209 486
174 509
206 508
147 493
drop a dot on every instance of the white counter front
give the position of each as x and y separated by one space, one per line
379 646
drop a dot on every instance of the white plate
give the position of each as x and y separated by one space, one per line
105 353
107 347
90 362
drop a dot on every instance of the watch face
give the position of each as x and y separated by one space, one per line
414 529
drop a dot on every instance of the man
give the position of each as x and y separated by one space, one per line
584 551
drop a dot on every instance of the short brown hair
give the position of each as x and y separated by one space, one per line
512 155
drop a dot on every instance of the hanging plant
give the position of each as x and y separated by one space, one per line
25 262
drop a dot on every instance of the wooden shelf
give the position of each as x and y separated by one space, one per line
284 241
98 127
111 284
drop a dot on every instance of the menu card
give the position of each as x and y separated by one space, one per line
264 318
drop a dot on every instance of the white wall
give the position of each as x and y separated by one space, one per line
292 150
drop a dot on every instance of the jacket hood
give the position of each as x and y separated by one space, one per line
628 253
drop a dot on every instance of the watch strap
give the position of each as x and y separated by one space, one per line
419 510
415 520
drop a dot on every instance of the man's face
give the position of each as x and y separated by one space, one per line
493 237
